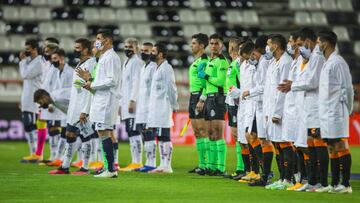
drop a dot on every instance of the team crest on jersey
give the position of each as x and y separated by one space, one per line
212 113
234 119
229 71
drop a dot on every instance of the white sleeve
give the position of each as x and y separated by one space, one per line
280 96
30 70
171 87
260 83
347 90
136 80
109 80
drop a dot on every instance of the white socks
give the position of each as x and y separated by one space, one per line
31 138
60 148
86 150
78 148
136 148
150 152
167 153
99 151
69 152
53 142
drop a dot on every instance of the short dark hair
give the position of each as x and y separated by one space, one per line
106 33
279 40
52 40
33 43
247 47
85 43
40 93
295 35
216 36
328 36
201 38
260 43
307 33
60 52
161 48
148 44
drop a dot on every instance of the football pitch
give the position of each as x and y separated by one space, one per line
30 182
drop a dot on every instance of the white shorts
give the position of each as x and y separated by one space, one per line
103 126
301 136
241 129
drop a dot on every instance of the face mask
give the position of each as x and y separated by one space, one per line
145 57
268 53
44 106
128 52
253 62
46 57
98 45
318 50
152 58
56 64
27 53
305 52
77 54
290 49
97 59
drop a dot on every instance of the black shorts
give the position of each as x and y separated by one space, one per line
215 107
232 115
29 120
53 123
314 132
254 127
163 134
131 128
73 129
141 127
194 99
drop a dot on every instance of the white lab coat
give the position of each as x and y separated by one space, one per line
57 81
79 97
289 120
336 97
163 97
308 83
30 72
130 84
274 100
142 103
105 103
256 94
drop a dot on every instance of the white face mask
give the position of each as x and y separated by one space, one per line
268 53
253 62
318 50
290 50
98 45
305 52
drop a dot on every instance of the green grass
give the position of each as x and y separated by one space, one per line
31 183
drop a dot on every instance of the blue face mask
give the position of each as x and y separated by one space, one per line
305 52
253 62
290 50
318 50
268 53
99 45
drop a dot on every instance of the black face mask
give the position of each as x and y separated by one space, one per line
128 52
152 58
27 53
56 64
47 57
44 106
145 57
97 59
77 54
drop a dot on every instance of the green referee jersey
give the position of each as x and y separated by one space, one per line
216 69
196 83
233 76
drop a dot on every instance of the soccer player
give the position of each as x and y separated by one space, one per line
30 72
104 107
142 107
162 104
274 100
129 93
77 111
199 43
233 80
307 86
336 97
214 106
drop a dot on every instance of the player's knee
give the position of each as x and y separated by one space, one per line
54 131
69 134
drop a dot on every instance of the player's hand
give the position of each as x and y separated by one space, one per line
87 85
234 92
285 86
22 55
245 94
84 74
83 118
200 106
51 109
275 120
132 106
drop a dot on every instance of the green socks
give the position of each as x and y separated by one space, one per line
213 159
201 149
221 152
240 162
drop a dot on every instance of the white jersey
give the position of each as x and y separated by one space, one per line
130 84
79 96
57 81
142 103
278 71
336 98
289 120
105 103
30 72
163 97
256 94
